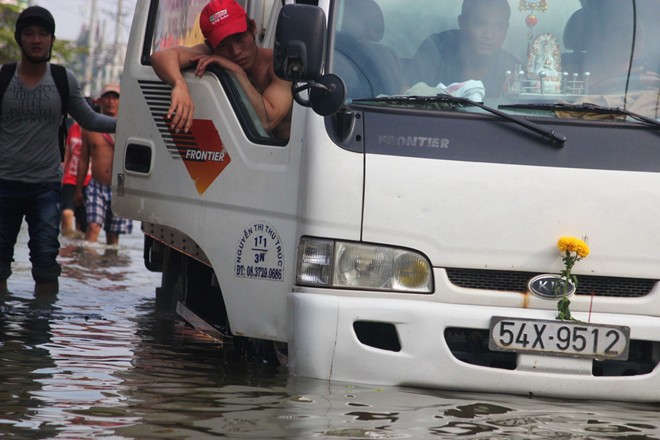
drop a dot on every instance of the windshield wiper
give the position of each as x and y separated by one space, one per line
556 139
586 107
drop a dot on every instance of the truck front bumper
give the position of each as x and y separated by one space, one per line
324 345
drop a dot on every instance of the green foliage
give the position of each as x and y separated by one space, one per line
9 50
64 52
563 309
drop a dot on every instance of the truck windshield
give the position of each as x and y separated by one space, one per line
504 53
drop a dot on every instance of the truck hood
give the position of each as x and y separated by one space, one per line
477 192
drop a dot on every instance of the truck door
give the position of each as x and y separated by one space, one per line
227 189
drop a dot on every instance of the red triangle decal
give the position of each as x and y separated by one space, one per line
202 152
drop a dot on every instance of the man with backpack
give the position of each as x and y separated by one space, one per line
33 98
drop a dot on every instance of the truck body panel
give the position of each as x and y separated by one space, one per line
411 236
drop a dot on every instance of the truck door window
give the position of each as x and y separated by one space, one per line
176 23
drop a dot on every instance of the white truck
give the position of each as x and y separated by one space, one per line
406 232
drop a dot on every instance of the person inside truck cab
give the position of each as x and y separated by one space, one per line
231 44
471 52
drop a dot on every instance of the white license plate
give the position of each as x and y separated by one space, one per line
557 337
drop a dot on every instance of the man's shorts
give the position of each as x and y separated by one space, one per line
98 207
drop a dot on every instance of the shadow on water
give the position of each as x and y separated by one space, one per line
99 361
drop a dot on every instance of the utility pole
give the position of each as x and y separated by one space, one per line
116 48
100 57
91 46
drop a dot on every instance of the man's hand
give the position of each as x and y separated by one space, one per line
181 111
168 64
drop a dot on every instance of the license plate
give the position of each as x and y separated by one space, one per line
555 337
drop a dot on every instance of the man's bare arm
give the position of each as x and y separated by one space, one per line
168 64
278 100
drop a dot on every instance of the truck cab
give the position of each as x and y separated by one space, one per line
406 232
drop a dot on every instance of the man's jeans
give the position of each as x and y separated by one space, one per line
41 205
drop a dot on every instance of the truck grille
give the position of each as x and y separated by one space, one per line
503 280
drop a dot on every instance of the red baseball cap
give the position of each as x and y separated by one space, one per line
220 19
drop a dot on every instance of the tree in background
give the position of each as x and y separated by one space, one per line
64 52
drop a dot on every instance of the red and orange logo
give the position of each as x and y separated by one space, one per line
202 152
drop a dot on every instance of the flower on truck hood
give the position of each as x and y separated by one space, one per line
572 244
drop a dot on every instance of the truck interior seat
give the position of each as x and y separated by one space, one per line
368 67
574 39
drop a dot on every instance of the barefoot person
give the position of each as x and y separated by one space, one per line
99 148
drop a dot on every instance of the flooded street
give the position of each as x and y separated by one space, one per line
100 362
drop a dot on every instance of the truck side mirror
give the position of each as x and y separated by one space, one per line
298 57
299 42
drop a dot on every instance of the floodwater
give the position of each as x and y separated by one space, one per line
100 362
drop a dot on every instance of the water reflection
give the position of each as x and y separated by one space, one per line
60 356
92 264
99 361
25 327
183 383
408 413
199 389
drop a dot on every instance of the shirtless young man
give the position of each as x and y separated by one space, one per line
100 149
231 44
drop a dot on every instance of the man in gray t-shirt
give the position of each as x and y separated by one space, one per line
30 163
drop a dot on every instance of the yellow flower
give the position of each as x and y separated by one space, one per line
582 249
564 244
573 245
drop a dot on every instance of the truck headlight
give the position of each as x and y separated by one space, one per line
343 264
